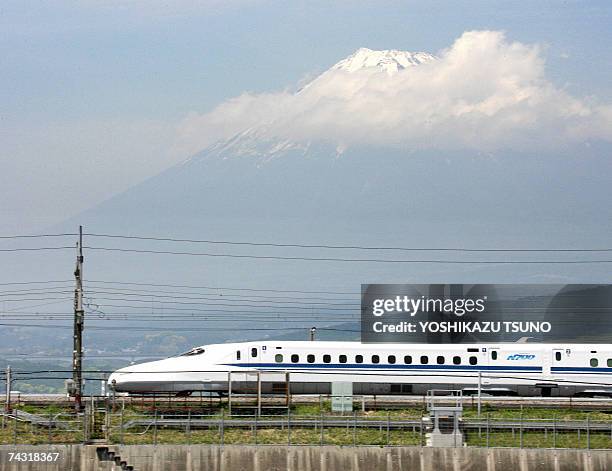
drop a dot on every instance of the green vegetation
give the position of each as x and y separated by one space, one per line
297 436
541 440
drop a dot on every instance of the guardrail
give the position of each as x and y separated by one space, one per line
128 427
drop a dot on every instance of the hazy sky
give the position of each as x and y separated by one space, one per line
94 95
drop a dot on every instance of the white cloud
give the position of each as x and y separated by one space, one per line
483 92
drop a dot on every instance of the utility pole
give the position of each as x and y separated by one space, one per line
9 380
479 392
313 330
77 352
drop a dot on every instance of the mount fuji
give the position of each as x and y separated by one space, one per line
263 184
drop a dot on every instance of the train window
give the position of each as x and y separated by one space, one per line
310 358
456 360
407 359
493 354
473 360
472 349
238 355
609 362
375 359
342 358
295 358
278 358
253 352
391 359
424 360
358 358
558 356
440 360
193 351
326 358
594 362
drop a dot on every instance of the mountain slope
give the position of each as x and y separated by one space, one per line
263 184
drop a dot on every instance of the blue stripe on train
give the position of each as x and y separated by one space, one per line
572 369
536 369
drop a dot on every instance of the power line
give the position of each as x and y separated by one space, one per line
220 287
182 286
335 259
306 323
26 296
18 310
23 292
193 309
172 329
144 293
222 304
150 298
35 282
30 299
36 249
337 247
36 236
162 298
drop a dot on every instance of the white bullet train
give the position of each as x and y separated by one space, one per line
526 369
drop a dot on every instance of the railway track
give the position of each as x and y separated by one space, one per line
367 402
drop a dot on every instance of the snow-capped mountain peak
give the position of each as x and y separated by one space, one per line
389 60
267 140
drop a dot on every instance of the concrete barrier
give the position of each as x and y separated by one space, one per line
306 458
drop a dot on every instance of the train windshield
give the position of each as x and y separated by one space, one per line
193 351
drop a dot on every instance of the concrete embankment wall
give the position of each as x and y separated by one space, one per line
310 458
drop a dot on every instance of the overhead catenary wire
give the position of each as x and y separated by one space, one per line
34 282
172 329
337 247
219 292
36 249
345 260
37 236
18 292
146 301
352 247
171 298
218 288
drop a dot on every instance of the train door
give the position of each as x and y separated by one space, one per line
494 356
492 360
254 354
257 354
557 358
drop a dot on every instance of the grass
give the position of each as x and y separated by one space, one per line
297 436
540 440
539 413
348 437
25 433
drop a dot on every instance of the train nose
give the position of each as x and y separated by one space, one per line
143 377
116 380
